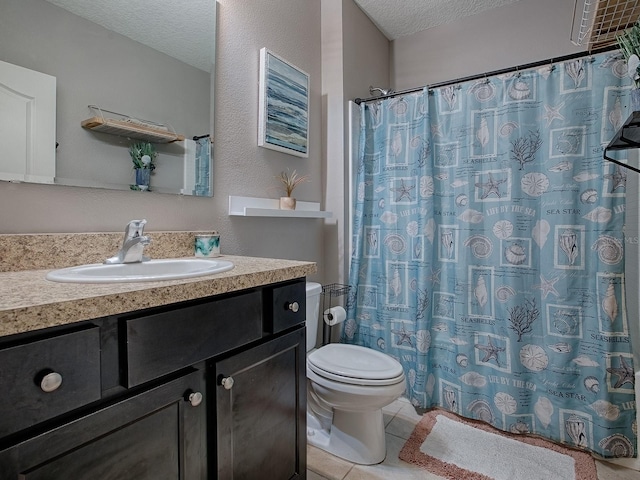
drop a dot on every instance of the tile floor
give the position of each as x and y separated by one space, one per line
400 420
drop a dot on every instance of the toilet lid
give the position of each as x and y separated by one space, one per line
355 364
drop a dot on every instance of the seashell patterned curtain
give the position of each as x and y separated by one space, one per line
488 254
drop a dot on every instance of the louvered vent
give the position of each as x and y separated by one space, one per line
597 22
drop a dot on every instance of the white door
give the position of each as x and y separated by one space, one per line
27 125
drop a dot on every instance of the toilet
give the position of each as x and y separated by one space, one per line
347 386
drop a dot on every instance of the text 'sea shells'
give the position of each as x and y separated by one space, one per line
534 358
481 246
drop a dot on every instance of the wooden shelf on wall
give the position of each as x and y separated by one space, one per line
268 207
130 127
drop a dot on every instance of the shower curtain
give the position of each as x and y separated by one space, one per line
488 251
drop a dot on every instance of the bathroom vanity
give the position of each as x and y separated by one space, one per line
205 380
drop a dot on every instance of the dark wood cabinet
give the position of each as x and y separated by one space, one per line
261 415
154 434
139 396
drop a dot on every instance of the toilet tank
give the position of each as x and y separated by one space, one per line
313 310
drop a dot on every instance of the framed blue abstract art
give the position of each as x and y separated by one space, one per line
284 106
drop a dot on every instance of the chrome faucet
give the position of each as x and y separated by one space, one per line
133 244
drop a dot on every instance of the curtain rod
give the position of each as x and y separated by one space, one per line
489 74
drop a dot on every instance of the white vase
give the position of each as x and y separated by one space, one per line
287 203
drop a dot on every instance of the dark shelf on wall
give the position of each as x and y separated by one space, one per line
627 137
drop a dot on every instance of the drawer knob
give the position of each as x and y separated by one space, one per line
227 382
50 381
294 307
194 398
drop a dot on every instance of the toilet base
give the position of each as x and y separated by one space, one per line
354 436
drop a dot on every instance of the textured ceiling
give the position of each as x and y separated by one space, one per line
397 18
185 31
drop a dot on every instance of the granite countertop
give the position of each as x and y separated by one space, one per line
29 302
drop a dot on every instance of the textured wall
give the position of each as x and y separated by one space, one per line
355 55
522 32
290 29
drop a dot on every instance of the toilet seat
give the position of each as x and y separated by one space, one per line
355 365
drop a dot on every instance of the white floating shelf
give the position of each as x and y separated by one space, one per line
268 207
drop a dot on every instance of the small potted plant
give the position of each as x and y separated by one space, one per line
629 43
290 180
143 155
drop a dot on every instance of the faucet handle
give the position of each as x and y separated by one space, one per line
135 228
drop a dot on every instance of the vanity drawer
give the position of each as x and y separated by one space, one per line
286 306
28 397
162 343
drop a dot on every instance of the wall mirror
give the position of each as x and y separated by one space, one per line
148 63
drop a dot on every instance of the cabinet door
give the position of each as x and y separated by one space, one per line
154 435
261 416
27 124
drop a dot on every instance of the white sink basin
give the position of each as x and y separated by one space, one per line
150 271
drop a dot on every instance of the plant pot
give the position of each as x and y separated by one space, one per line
287 203
143 176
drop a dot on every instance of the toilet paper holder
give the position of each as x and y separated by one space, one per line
330 295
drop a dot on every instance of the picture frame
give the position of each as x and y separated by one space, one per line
283 120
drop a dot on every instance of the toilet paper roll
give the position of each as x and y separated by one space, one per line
334 315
